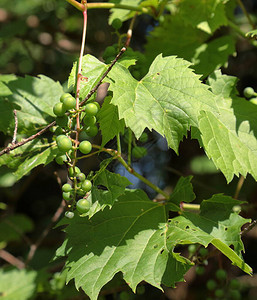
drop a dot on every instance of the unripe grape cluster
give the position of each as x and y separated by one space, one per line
66 121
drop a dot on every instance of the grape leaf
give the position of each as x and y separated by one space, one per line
6 116
33 98
205 15
142 245
183 192
115 185
167 99
17 284
25 158
12 227
109 122
229 134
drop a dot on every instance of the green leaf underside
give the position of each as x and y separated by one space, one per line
109 122
17 284
115 185
25 158
12 228
33 98
205 15
136 238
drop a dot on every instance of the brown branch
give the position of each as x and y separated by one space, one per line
15 126
54 219
8 257
130 31
249 227
25 141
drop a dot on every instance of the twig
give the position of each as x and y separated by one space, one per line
130 31
25 141
249 227
246 13
12 259
54 219
103 76
15 126
239 186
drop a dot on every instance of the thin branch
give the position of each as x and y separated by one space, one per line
8 257
249 227
53 220
103 76
246 13
130 30
25 141
239 186
15 126
109 6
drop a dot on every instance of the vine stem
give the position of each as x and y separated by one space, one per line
240 3
8 257
239 186
80 6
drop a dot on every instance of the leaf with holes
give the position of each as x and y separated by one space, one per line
137 238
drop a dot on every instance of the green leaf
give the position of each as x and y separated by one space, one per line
183 192
252 33
108 119
167 99
17 284
136 238
6 116
205 15
25 158
115 185
92 70
12 227
33 98
213 55
229 134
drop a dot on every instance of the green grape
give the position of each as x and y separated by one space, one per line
71 171
203 251
86 185
91 109
91 130
58 130
139 152
81 177
144 137
62 121
116 23
235 295
200 270
69 214
109 51
97 104
124 296
64 144
254 101
219 293
234 284
66 196
65 95
58 109
89 120
221 274
192 249
69 103
66 188
83 206
85 147
211 284
249 92
61 159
